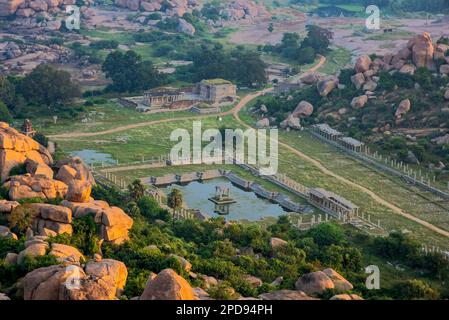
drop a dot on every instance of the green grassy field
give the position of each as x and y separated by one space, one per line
154 140
336 59
115 115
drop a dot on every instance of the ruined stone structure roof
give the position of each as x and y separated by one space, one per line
216 81
351 141
322 193
324 127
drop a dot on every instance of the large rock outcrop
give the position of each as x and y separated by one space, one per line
359 102
363 64
16 149
168 285
318 282
422 50
403 108
314 283
28 186
114 222
304 109
102 280
326 85
8 7
48 219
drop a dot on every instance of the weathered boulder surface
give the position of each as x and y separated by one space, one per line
326 85
7 206
403 108
422 50
64 252
285 295
314 283
358 80
47 216
73 168
254 281
8 7
168 285
359 102
99 281
291 122
6 233
79 191
185 27
408 69
28 186
109 270
33 250
304 109
114 222
276 243
363 64
311 78
16 149
346 297
320 281
444 69
340 283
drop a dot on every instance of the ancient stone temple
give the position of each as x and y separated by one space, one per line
222 200
216 90
213 91
333 203
164 96
27 128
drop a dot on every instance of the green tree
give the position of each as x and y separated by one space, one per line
5 116
414 290
136 190
129 73
317 38
49 86
326 234
7 92
174 199
21 218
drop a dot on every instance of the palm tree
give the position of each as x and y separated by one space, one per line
136 190
175 201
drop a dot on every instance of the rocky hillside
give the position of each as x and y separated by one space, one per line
35 184
398 99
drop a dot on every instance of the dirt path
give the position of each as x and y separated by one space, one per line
235 113
237 107
373 195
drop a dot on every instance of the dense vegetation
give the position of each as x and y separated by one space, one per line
425 91
291 47
129 73
396 6
241 66
230 251
45 88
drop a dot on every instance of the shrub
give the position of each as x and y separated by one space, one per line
413 290
20 219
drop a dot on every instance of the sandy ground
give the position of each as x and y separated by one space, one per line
344 29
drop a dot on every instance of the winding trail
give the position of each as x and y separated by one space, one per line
235 113
369 192
242 103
